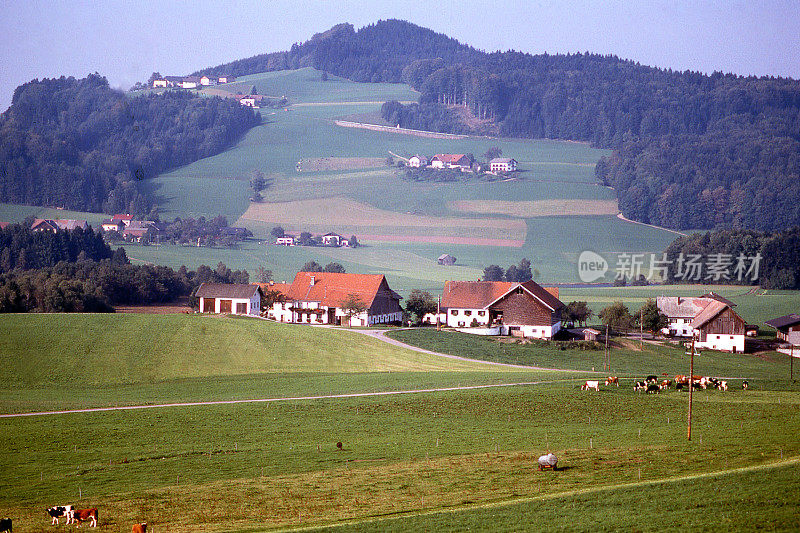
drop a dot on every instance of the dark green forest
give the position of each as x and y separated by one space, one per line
691 151
76 271
777 263
78 144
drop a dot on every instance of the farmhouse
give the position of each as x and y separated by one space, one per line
681 311
502 164
55 225
322 298
332 239
286 240
112 225
417 161
206 81
502 308
788 328
461 161
719 327
280 307
447 259
125 218
236 299
226 79
190 82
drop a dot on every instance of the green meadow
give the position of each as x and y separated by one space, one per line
435 460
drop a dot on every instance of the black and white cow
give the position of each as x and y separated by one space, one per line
5 525
639 385
60 511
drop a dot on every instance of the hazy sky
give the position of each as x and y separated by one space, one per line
127 40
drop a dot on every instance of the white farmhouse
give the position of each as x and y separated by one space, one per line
236 299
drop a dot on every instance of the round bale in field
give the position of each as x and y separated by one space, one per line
548 461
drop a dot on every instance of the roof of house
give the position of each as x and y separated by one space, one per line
331 289
714 296
70 224
711 311
3 225
482 294
784 321
227 290
191 79
122 216
272 286
173 78
449 158
501 160
680 307
45 224
331 235
445 256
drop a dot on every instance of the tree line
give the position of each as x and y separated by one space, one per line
76 271
78 144
768 259
690 150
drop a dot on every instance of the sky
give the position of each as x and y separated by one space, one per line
127 40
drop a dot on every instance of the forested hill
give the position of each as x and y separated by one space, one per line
78 144
690 150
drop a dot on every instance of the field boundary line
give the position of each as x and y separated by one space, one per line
626 219
546 497
283 399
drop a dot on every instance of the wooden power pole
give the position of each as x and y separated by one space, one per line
691 389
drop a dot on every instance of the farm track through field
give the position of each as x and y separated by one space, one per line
547 497
284 399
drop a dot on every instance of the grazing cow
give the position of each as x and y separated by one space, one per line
82 515
723 385
591 385
745 385
666 384
139 528
651 379
548 461
653 388
5 525
683 380
640 385
59 511
612 380
679 386
697 385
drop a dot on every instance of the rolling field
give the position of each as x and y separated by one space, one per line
435 460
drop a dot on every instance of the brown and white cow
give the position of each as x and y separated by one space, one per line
82 515
667 383
612 380
591 385
139 528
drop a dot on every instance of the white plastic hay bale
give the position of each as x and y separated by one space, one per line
548 461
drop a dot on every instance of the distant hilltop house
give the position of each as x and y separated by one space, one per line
502 308
417 161
461 161
334 239
286 240
60 224
249 100
788 328
191 82
235 299
447 259
323 297
503 164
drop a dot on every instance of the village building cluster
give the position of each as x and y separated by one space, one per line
191 82
133 230
463 162
329 239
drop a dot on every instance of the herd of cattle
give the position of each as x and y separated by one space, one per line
73 516
654 385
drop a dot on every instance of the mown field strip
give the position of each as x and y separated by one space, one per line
285 399
550 497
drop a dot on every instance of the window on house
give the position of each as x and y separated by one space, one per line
467 313
453 312
481 313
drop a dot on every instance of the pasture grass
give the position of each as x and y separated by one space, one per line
254 468
630 360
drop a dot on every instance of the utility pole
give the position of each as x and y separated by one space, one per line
691 388
606 359
438 313
791 362
641 327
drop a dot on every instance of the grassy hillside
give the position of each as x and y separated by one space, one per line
45 350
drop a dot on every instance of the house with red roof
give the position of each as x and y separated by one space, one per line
322 298
502 308
462 161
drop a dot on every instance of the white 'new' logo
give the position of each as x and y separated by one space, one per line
591 266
